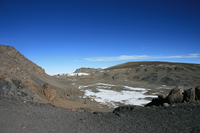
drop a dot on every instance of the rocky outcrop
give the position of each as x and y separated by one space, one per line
15 71
122 109
189 95
197 93
15 64
86 70
48 92
177 95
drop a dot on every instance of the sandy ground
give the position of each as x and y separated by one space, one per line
18 116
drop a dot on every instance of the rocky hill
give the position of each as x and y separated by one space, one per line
15 64
20 77
154 73
86 70
158 73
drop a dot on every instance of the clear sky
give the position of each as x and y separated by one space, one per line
63 35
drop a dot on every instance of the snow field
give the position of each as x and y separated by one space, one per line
127 96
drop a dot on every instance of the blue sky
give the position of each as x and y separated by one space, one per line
63 35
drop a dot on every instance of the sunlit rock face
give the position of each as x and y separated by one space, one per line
19 76
15 64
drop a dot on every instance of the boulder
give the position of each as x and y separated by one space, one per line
161 96
157 101
166 104
48 92
175 95
189 95
122 109
197 93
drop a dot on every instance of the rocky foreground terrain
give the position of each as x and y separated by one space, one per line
18 116
32 101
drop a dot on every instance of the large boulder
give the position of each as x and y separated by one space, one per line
175 95
123 109
48 92
157 101
197 93
189 95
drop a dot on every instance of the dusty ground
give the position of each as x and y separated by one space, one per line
18 116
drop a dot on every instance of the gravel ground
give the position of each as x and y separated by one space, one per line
18 116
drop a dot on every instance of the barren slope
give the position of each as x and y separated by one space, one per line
161 73
21 77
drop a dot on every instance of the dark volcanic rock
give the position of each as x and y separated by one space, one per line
157 101
19 117
175 95
122 109
197 93
189 95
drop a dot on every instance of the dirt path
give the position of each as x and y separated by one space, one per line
18 116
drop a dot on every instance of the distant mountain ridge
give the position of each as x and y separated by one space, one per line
155 73
148 63
86 70
166 73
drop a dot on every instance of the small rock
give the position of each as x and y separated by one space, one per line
172 112
161 96
166 104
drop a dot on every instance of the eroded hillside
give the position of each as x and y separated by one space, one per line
21 77
157 73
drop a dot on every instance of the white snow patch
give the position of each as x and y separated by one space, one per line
84 86
73 84
76 74
105 84
111 98
101 85
132 88
71 79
